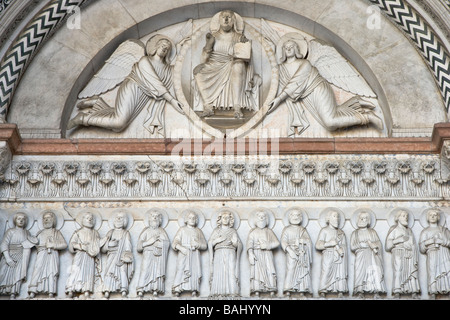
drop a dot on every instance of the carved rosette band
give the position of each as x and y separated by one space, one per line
162 178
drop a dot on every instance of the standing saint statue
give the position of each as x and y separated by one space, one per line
297 245
367 247
401 243
225 80
46 269
154 245
188 242
145 77
435 244
225 249
16 250
333 245
303 87
120 262
260 245
85 244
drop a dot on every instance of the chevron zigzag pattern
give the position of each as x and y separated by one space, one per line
424 38
25 47
22 51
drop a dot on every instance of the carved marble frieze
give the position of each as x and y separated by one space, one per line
142 251
223 77
214 178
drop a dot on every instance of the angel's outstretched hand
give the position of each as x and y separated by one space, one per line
178 106
273 105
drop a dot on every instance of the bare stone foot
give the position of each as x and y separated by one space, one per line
87 103
238 115
376 121
76 121
207 113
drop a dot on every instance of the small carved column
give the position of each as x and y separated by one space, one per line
5 158
445 156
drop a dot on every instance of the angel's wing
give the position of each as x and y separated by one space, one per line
270 34
337 70
115 70
182 35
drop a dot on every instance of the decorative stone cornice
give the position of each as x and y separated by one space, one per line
159 178
188 147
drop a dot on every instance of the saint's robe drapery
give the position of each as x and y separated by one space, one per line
189 269
308 90
334 274
438 259
18 243
225 262
214 79
263 275
146 85
46 269
369 270
404 260
154 260
298 269
119 262
86 265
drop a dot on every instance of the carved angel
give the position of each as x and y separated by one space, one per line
306 72
144 76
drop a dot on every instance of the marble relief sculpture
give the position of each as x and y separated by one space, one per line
144 74
154 245
296 243
225 249
435 244
85 244
401 244
225 80
188 243
44 279
368 250
261 242
117 246
332 243
303 86
224 75
16 249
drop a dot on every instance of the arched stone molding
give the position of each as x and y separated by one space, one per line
424 37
